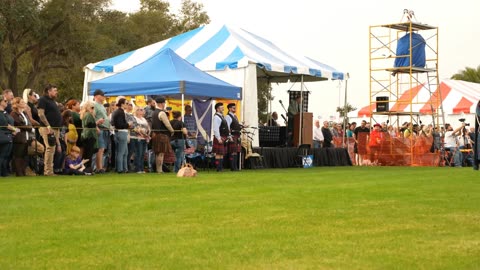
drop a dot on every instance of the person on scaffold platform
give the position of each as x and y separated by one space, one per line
235 129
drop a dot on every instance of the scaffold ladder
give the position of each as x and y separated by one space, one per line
433 85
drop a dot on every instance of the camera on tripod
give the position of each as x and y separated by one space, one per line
463 121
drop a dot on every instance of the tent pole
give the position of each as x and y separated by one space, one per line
270 109
345 113
301 112
183 108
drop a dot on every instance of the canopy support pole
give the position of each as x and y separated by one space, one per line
345 113
301 112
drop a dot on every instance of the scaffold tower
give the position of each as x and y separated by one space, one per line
405 92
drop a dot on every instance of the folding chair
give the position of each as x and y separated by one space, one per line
252 160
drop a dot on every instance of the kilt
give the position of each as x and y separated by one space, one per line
161 143
234 146
219 148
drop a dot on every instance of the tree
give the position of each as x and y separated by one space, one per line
41 37
469 75
52 40
191 16
344 110
264 95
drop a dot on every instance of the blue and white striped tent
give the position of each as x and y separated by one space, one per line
232 55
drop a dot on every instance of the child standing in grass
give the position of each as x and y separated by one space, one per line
74 165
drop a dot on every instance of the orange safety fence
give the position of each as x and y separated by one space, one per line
392 151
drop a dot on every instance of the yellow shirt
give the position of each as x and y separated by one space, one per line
72 137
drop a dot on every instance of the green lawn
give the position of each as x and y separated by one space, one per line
320 218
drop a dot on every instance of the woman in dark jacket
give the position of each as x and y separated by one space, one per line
121 125
21 139
7 130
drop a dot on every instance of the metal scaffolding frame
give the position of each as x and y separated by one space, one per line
393 85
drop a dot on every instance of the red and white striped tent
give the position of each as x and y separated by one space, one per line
459 98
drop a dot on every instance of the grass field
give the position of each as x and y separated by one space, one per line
320 218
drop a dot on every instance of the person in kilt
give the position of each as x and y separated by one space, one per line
220 135
233 144
162 131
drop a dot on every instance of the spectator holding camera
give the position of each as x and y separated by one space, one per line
451 143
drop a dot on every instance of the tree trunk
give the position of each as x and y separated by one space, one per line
12 77
36 69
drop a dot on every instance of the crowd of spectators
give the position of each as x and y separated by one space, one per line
367 143
41 136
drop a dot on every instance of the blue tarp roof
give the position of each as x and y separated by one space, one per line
166 74
418 51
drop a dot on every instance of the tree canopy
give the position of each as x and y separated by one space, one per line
49 41
469 75
344 110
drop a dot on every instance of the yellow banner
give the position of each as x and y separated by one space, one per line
176 104
140 101
113 99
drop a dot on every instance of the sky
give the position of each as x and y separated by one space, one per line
337 33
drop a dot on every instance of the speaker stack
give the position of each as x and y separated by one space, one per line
382 104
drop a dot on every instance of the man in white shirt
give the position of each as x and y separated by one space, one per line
221 133
317 135
451 143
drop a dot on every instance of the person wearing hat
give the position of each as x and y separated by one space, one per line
375 141
221 133
162 131
103 126
149 110
50 121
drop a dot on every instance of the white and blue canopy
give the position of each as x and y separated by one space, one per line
233 55
218 47
166 74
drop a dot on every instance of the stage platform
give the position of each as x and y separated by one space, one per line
288 157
